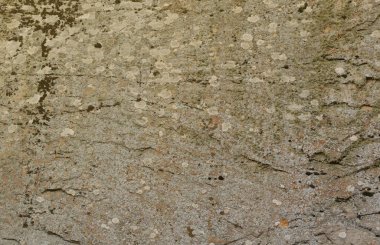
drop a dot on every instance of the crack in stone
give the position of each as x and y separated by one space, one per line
62 237
11 239
263 164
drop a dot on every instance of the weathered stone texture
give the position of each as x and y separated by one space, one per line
189 122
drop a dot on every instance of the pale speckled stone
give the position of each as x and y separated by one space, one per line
34 99
189 122
253 18
12 129
67 132
342 234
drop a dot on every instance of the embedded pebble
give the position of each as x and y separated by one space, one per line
288 79
104 226
71 192
237 10
214 81
319 118
314 103
12 128
342 234
260 42
245 45
226 126
35 99
140 104
375 34
279 56
253 18
247 37
213 111
40 199
304 116
272 27
77 102
67 132
277 202
304 94
270 3
165 94
256 80
304 33
142 121
115 220
32 50
350 188
175 44
295 107
340 71
270 110
154 234
354 138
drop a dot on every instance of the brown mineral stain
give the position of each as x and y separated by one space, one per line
284 223
214 122
88 91
366 108
216 240
190 232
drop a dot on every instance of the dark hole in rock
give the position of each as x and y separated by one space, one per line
368 193
90 108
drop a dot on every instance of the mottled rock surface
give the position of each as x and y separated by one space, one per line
203 122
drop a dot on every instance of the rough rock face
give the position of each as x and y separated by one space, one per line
189 122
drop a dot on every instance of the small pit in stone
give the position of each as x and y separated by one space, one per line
90 108
190 231
368 193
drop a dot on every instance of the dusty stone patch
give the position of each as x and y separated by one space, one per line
189 122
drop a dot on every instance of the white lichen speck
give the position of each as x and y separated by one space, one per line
115 220
34 99
340 71
342 234
67 132
277 202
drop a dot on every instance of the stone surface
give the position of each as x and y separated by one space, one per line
190 122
